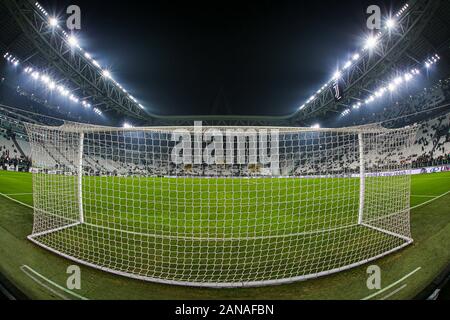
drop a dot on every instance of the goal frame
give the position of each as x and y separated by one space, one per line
359 131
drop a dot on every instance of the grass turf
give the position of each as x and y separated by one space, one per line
423 187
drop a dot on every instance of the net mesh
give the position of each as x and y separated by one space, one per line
223 207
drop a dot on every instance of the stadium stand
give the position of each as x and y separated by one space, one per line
431 147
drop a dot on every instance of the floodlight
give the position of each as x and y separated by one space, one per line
371 42
45 79
391 23
408 77
106 74
392 86
73 41
53 22
337 75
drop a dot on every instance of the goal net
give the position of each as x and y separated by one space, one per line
221 206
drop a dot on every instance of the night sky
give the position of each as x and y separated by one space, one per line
223 57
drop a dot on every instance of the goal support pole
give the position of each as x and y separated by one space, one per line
80 177
362 178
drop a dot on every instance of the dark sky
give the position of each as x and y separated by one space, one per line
246 57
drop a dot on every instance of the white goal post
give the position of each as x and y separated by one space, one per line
221 206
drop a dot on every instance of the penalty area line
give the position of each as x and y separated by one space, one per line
38 278
392 285
16 201
431 200
18 194
394 292
422 196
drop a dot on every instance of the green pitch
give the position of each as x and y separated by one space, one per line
217 230
17 221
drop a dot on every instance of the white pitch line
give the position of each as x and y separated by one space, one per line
394 292
391 285
422 196
42 284
26 269
429 201
17 201
18 194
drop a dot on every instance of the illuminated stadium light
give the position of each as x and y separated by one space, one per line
51 85
357 105
379 93
402 10
61 89
370 99
394 84
106 74
371 42
315 126
408 77
311 98
391 24
35 75
97 111
95 63
127 125
45 79
53 22
337 75
85 104
398 80
73 41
